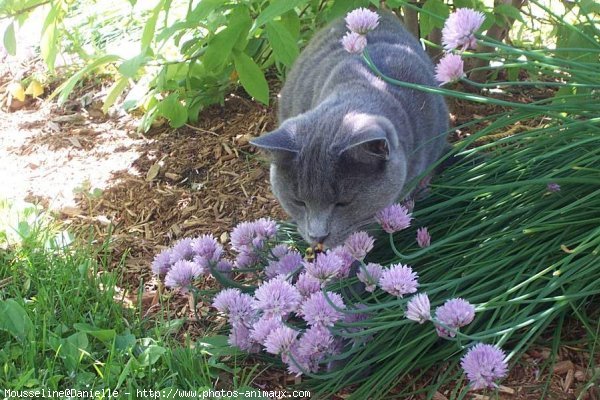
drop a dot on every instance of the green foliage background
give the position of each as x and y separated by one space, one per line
185 55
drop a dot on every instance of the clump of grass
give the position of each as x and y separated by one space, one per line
63 325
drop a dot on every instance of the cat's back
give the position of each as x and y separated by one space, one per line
324 63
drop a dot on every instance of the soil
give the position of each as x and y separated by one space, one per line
101 176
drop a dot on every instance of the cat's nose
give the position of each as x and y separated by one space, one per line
318 239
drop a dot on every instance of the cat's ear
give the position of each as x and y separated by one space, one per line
278 142
369 146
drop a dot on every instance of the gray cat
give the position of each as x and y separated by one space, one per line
348 142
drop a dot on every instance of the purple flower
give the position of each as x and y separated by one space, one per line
261 328
182 274
399 280
242 236
419 308
182 250
393 218
307 284
280 250
359 244
553 187
409 204
280 340
450 68
224 267
235 304
162 263
316 310
347 260
240 337
460 27
286 265
483 364
265 228
362 20
315 343
276 298
423 237
370 275
354 43
326 267
246 258
297 364
354 317
207 250
454 314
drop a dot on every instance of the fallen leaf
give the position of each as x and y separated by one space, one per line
35 89
16 91
153 172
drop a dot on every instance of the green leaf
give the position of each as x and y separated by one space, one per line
283 43
150 27
464 3
274 10
114 92
65 89
173 110
150 355
341 7
291 21
104 335
509 11
49 41
10 42
14 319
129 68
251 77
72 349
434 15
217 346
203 9
220 47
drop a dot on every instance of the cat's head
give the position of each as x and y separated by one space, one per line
331 175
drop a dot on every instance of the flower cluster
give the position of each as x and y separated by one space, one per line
458 33
187 260
294 313
359 22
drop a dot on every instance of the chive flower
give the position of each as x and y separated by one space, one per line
280 340
263 327
182 274
393 218
399 280
162 263
423 237
316 310
359 244
276 298
182 250
419 308
362 20
286 265
553 187
484 364
307 284
326 267
460 27
454 313
370 275
354 43
449 69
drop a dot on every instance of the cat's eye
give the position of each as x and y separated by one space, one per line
342 204
299 203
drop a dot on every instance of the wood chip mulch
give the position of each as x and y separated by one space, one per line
195 180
